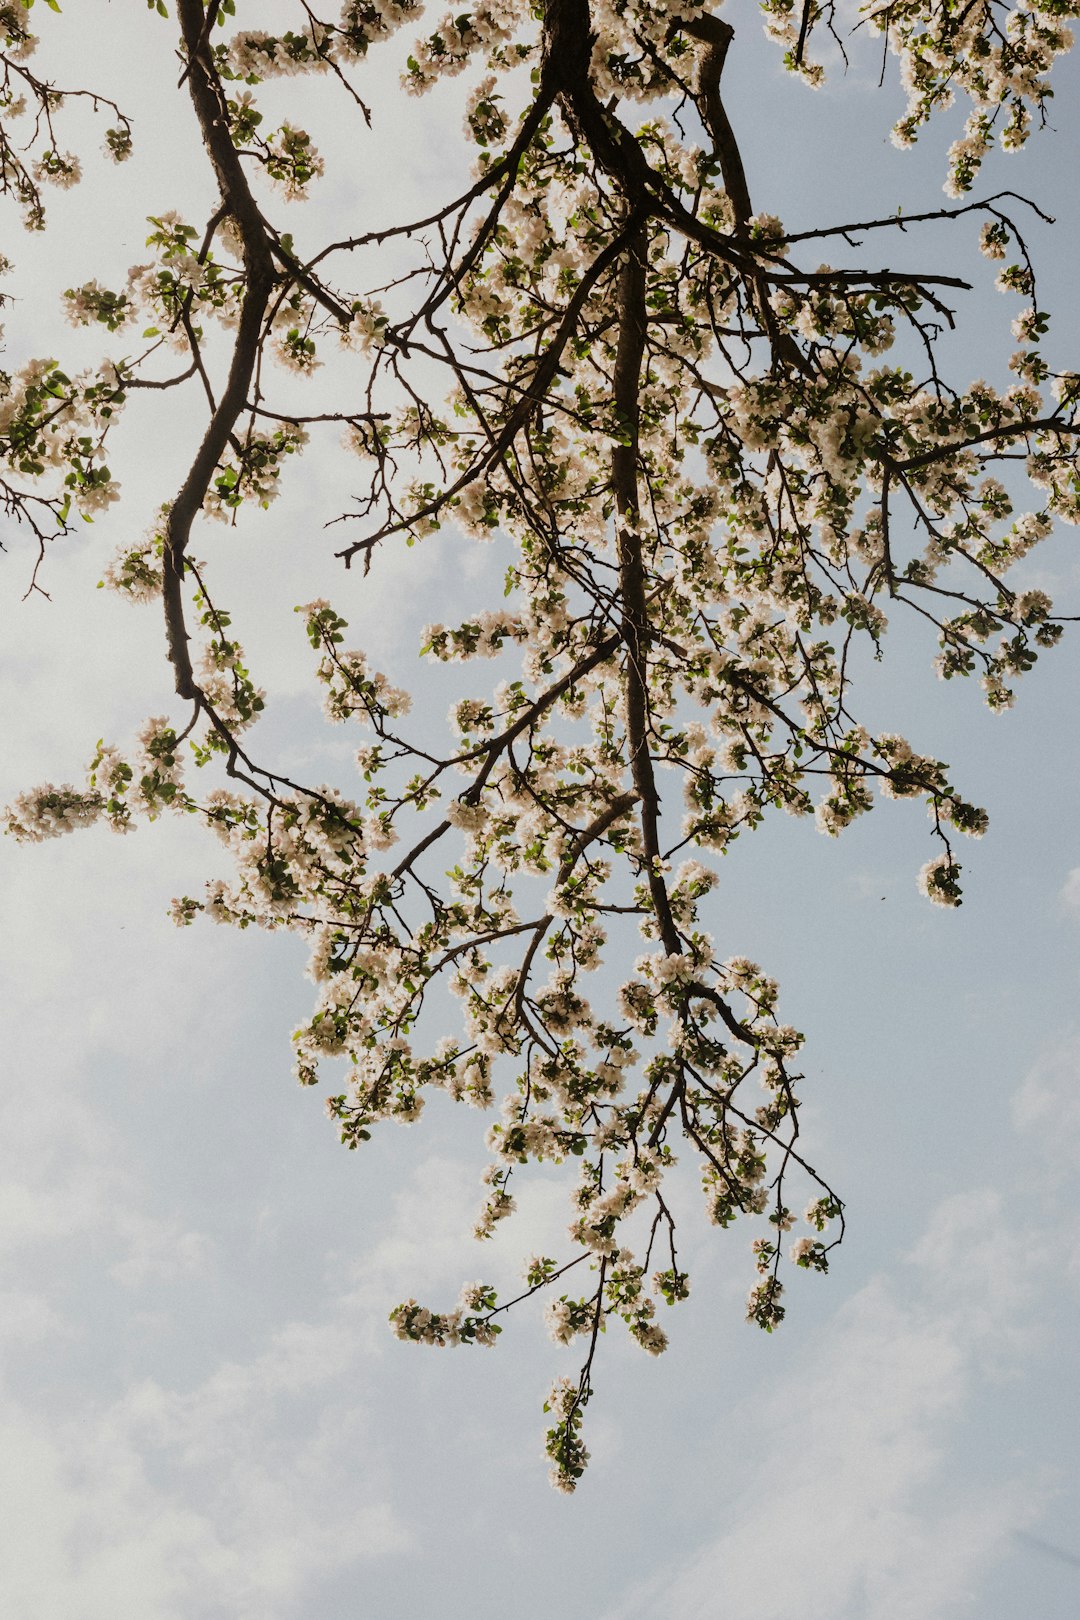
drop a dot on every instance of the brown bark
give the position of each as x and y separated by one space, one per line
635 616
208 101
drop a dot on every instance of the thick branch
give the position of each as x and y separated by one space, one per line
236 197
716 36
624 483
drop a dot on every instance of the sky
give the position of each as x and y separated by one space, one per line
203 1415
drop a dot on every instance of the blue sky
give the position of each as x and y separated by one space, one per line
203 1413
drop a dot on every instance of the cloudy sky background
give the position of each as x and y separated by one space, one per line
203 1413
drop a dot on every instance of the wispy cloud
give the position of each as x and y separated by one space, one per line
184 1505
854 1507
234 1496
1047 1105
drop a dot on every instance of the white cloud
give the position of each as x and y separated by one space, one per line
239 1494
231 1498
27 1318
1048 1104
1070 892
849 1511
93 1520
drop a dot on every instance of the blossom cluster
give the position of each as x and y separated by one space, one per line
716 470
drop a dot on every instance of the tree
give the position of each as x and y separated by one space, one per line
713 489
